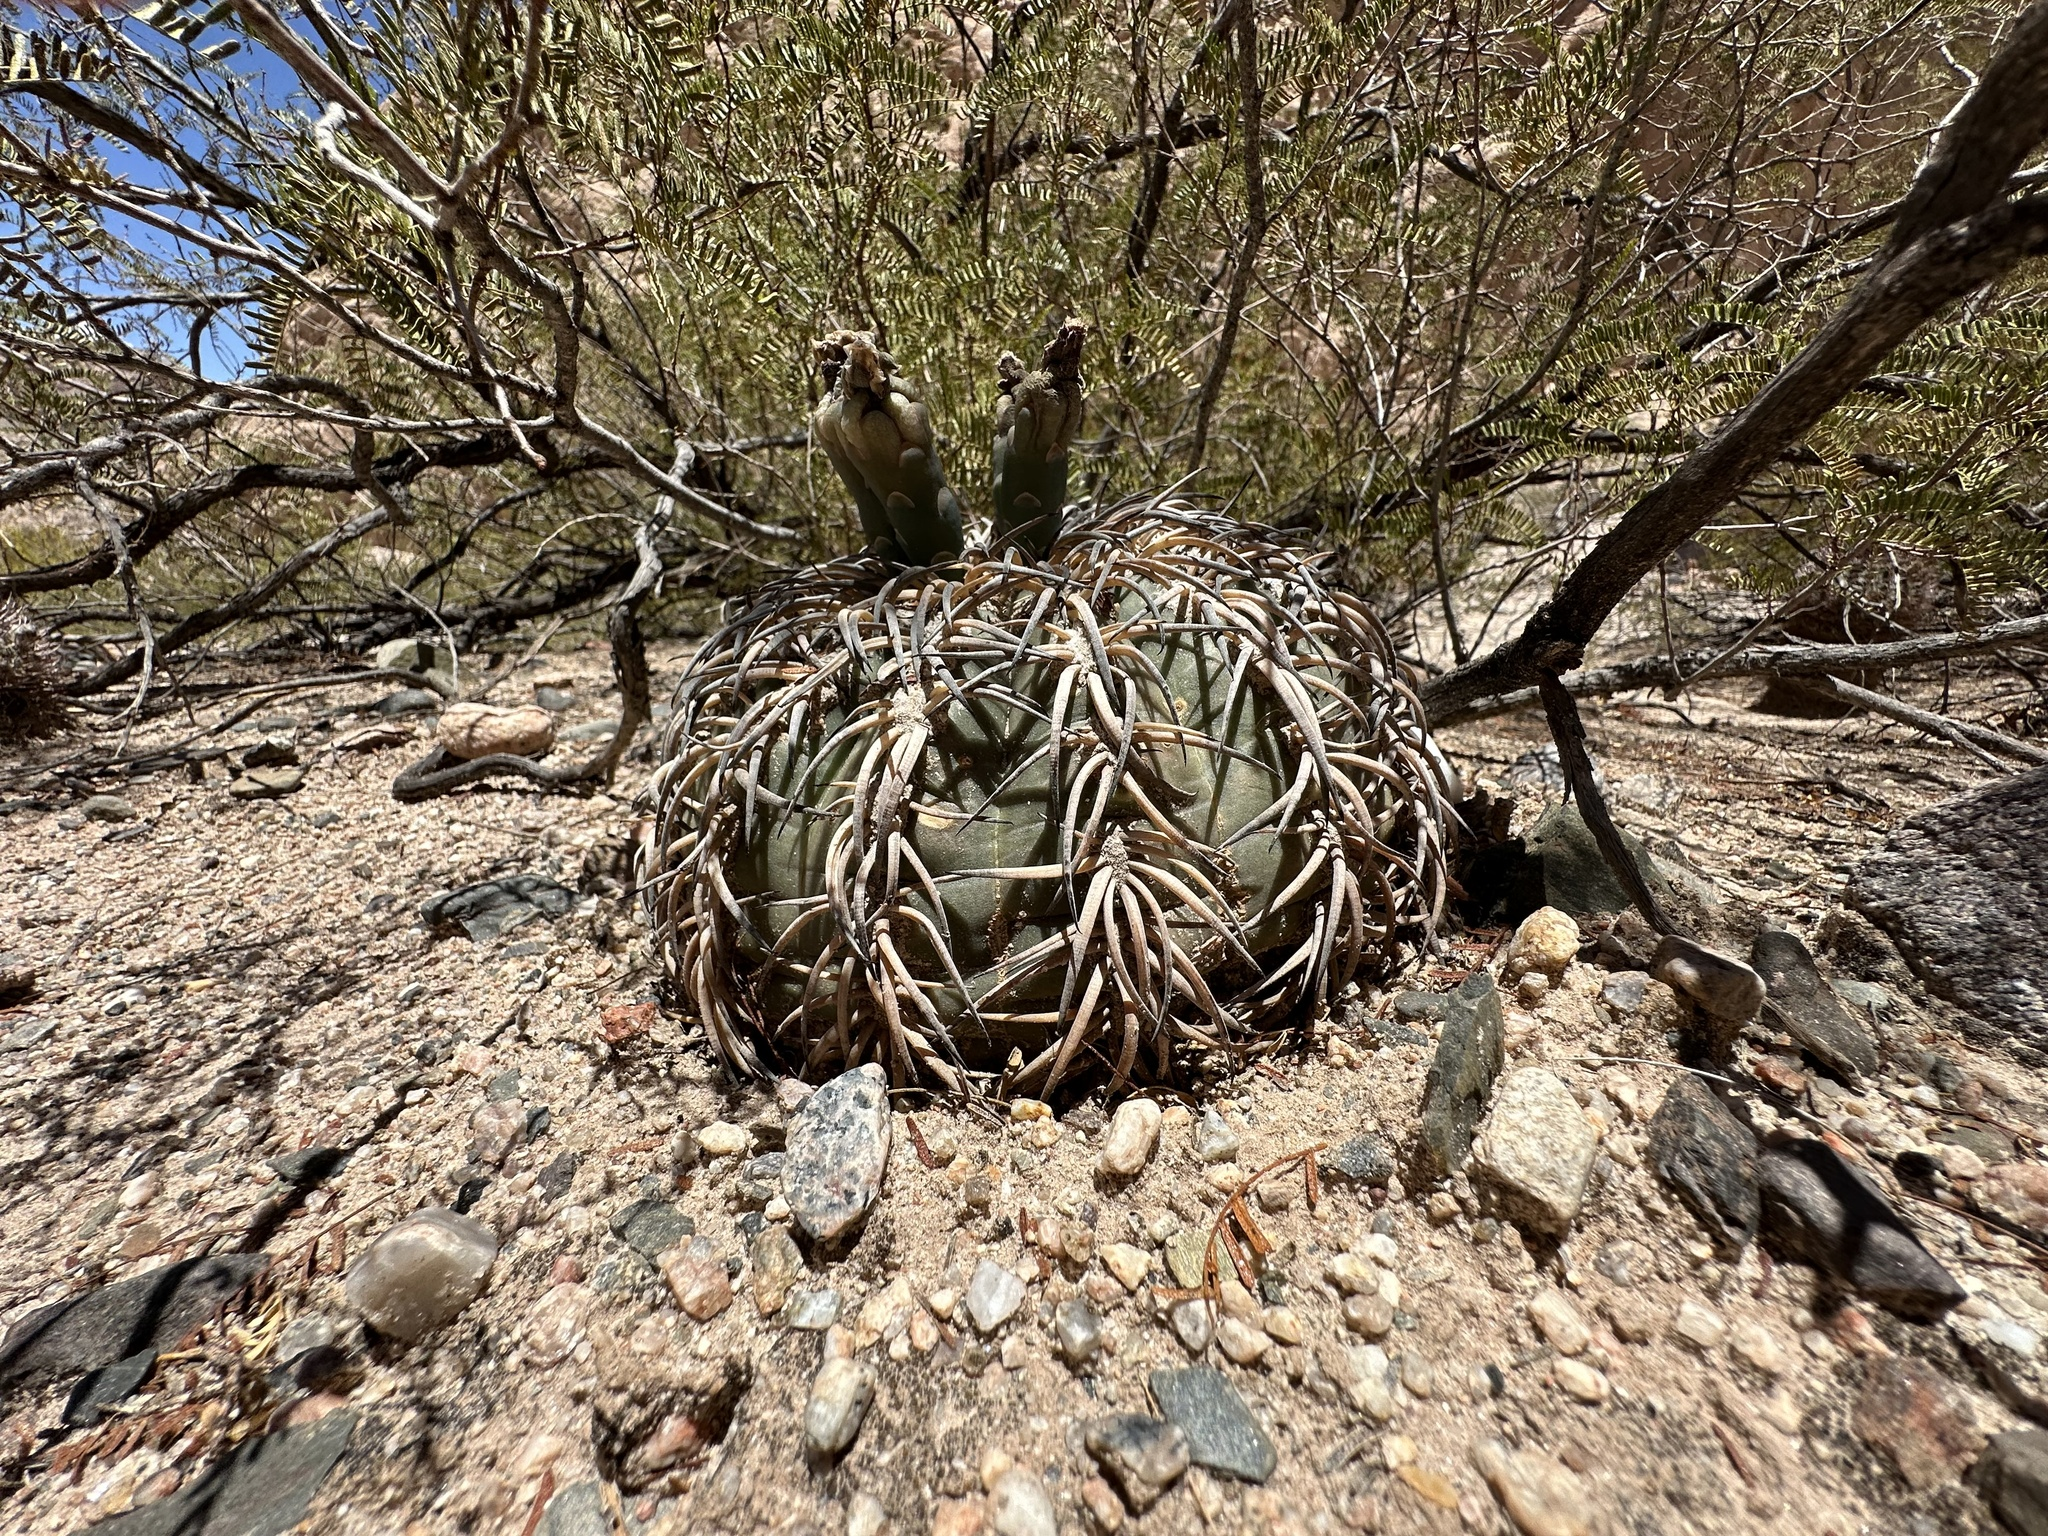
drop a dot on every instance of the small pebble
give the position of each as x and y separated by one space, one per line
839 1401
1559 1322
1580 1380
1193 1324
993 1295
1754 1345
1077 1330
421 1272
1282 1325
1018 1505
1129 1264
1370 1315
1542 1497
721 1138
1133 1133
1698 1325
1214 1140
1243 1344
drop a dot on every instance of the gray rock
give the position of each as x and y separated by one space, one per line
1361 1160
1709 1158
151 1311
107 808
1624 992
554 1181
1421 1007
814 1311
1535 1152
407 701
97 1390
1077 1331
1565 870
421 1273
1141 1455
1800 1002
993 1295
268 783
554 700
578 1510
2012 1474
309 1165
491 907
1720 984
1018 1505
839 1401
1214 1140
837 1151
261 1488
1818 1210
1194 1323
652 1227
415 655
1222 1434
1468 1058
1962 890
304 1334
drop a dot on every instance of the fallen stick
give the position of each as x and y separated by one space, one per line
1979 739
1758 661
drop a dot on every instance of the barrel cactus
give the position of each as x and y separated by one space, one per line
1005 813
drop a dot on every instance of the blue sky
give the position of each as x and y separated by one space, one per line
264 83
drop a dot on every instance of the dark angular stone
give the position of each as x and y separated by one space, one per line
1800 1002
1222 1434
1469 1054
488 908
109 1384
1418 1007
1820 1211
151 1311
261 1488
1708 1157
652 1227
309 1165
554 1180
1361 1160
1962 890
2012 1474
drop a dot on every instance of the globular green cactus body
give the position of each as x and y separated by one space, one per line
1153 784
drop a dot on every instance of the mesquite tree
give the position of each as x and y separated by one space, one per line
316 319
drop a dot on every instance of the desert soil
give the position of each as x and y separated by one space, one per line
222 983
